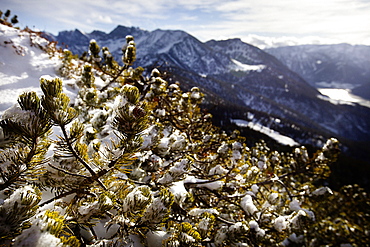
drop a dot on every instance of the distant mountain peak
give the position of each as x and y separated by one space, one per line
121 32
75 37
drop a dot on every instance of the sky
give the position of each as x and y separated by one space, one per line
295 21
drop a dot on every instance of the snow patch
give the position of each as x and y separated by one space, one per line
339 96
285 140
246 67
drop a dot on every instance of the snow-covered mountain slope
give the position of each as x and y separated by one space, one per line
22 63
328 66
233 73
24 60
277 86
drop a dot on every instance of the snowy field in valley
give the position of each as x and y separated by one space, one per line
285 140
342 96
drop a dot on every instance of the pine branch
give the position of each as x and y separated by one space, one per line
125 67
78 157
13 178
67 193
67 172
193 184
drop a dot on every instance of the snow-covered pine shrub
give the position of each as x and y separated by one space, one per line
133 161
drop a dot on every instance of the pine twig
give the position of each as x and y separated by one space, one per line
67 172
78 157
114 78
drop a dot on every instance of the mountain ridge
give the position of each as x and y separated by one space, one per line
235 72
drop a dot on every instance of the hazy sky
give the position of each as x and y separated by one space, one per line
328 20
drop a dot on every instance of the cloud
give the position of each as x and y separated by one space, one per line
268 42
99 18
339 19
206 19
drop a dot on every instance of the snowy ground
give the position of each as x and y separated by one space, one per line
21 65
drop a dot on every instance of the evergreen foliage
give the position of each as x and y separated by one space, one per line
134 161
4 17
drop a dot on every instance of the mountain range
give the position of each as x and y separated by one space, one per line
242 79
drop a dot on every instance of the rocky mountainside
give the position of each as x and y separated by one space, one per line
237 77
336 66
